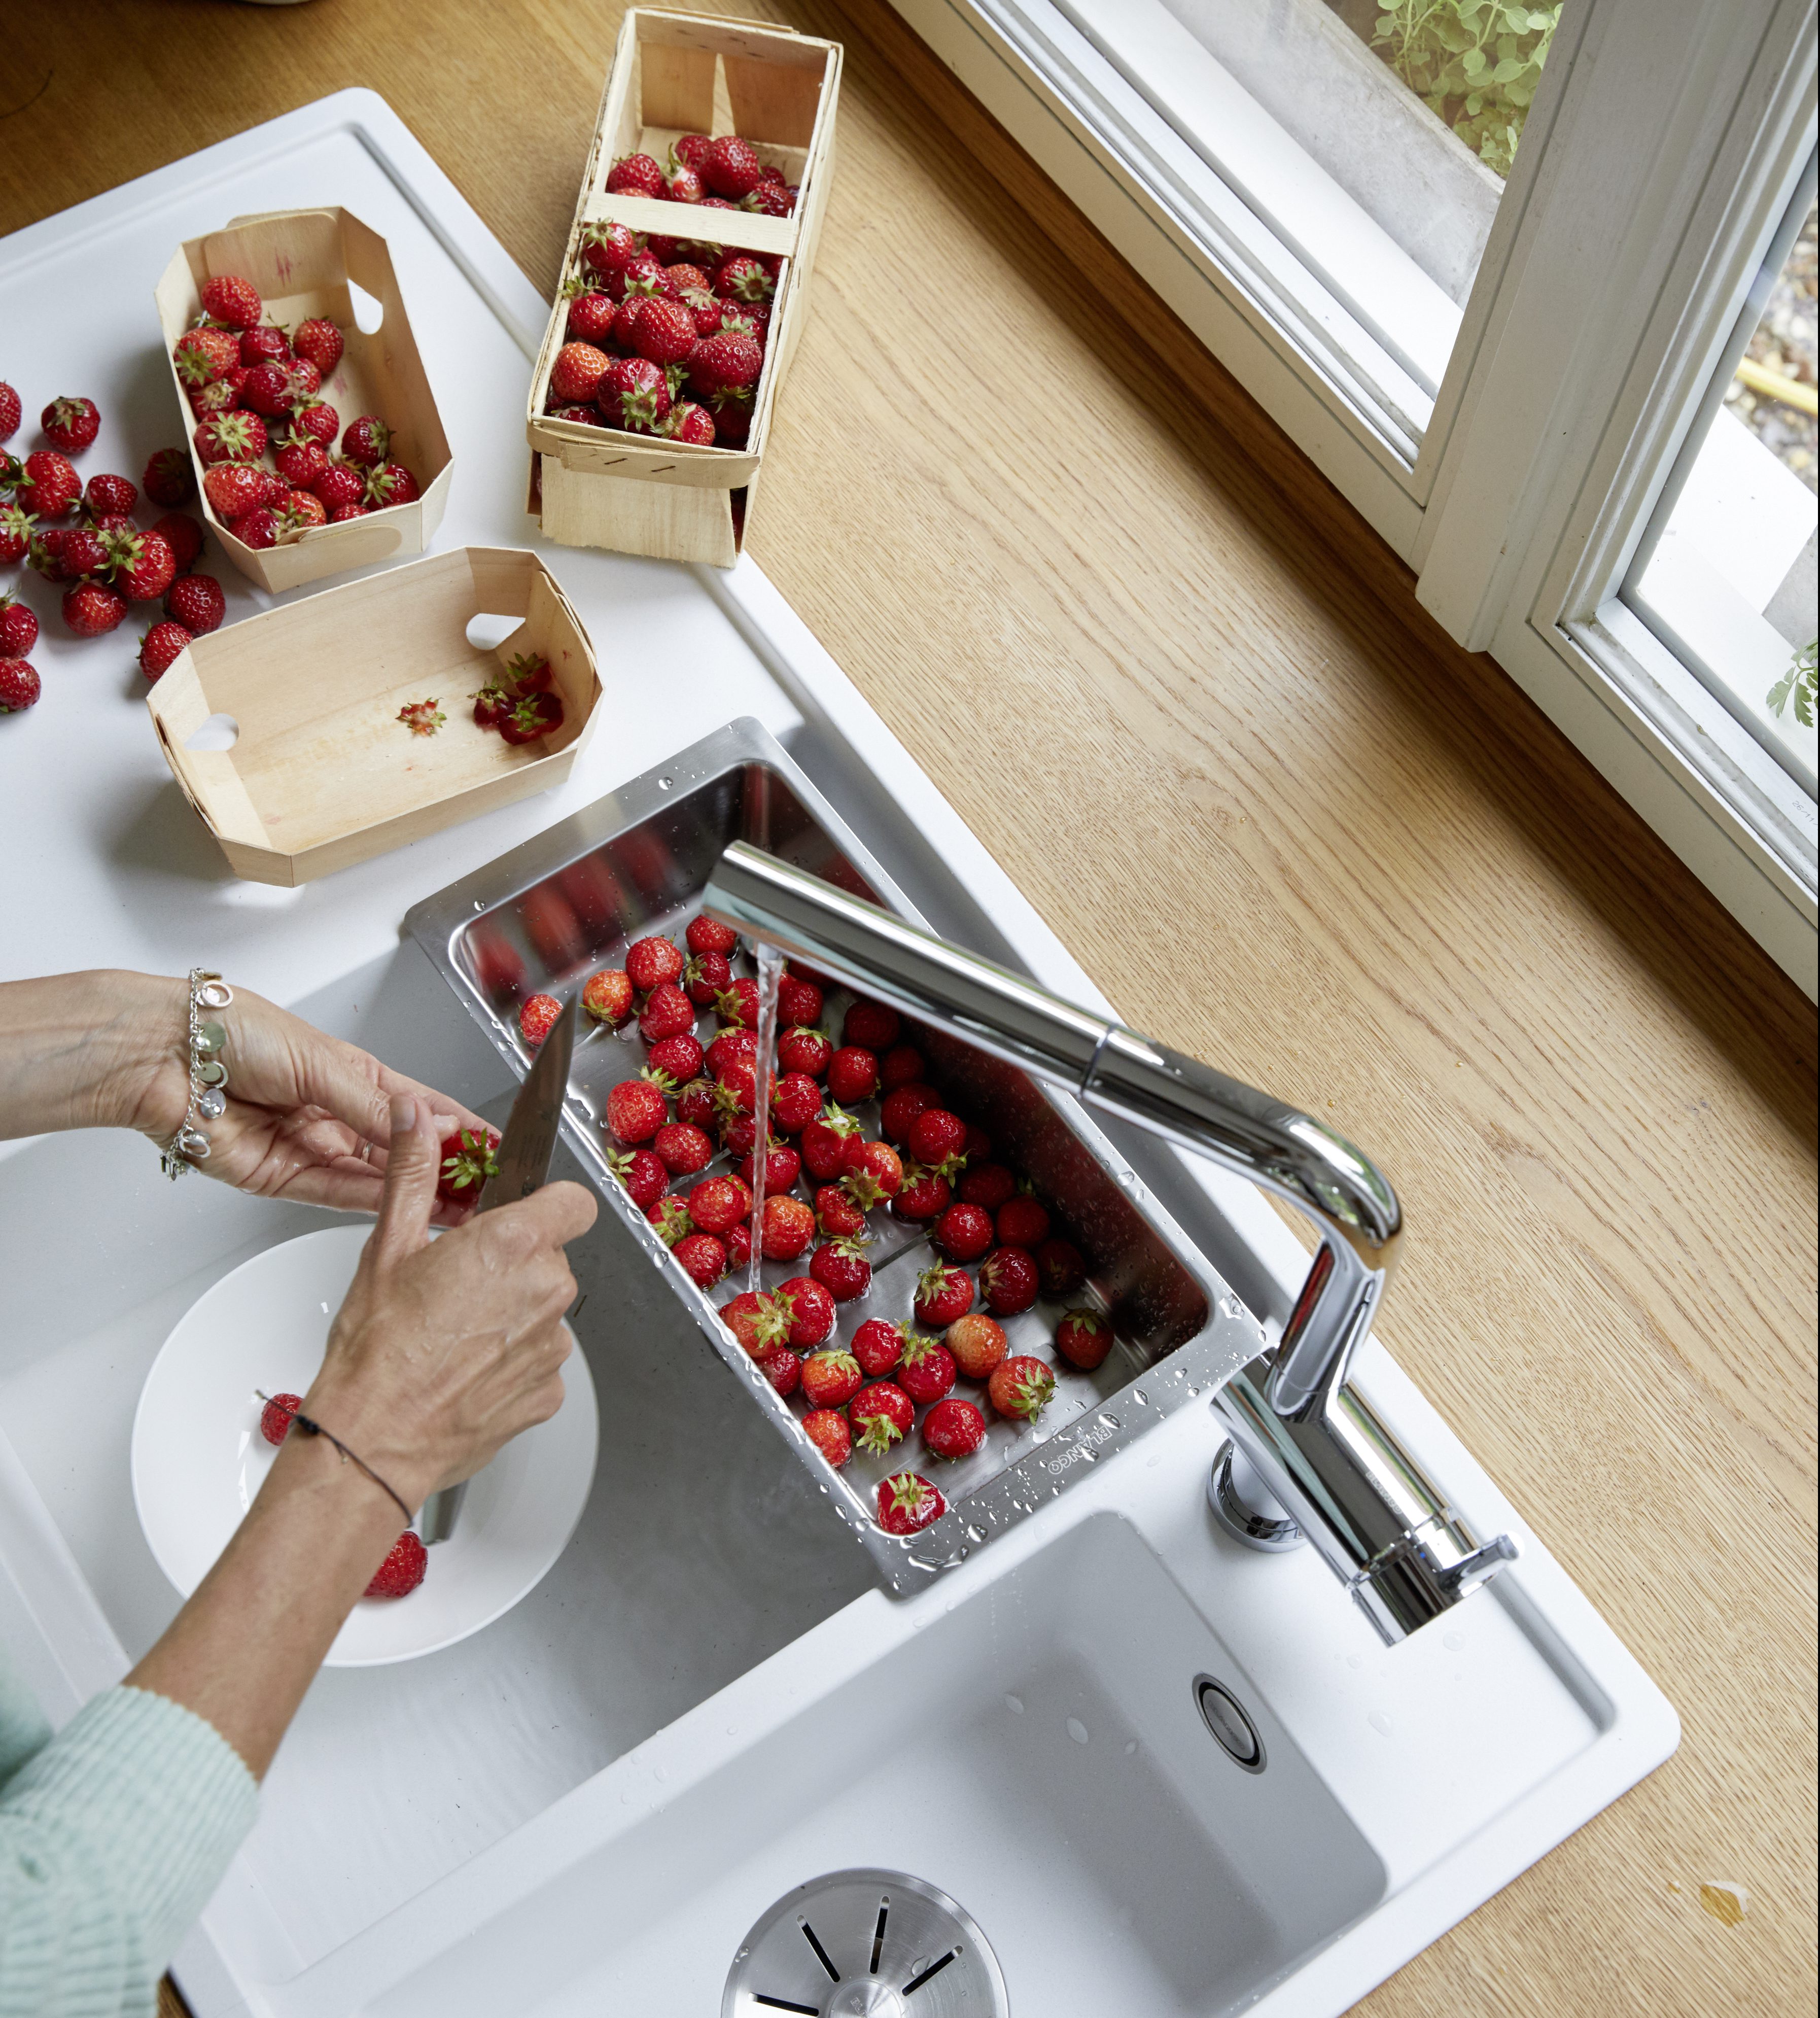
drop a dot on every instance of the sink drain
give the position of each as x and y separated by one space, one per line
864 1944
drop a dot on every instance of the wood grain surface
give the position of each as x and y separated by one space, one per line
1189 700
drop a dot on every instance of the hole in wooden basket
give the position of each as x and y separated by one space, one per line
368 312
488 630
220 732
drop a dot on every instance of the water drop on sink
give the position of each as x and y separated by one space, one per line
1141 1399
1077 1730
1453 1642
1106 1421
975 1534
1131 1746
1380 1722
1014 1704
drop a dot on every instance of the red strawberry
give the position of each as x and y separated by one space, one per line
1083 1338
740 1246
799 1002
760 1322
871 1025
49 486
882 1415
231 437
68 553
169 478
875 1172
788 1228
653 962
143 566
811 1311
804 1051
19 686
728 361
770 199
263 344
783 1368
731 1047
667 1013
924 1195
684 1149
670 1216
964 1232
318 420
302 462
730 167
878 1346
678 1058
392 483
275 1417
340 484
635 174
717 1203
736 1090
978 1343
705 977
664 330
342 512
1008 1280
16 530
853 1075
1022 1223
463 1163
683 185
196 602
366 441
403 1571
536 715
642 274
707 935
687 279
988 1186
280 386
105 495
841 1268
70 425
823 1144
796 1100
607 247
732 408
202 356
1061 1269
91 608
258 529
228 299
936 1137
898 1113
590 319
159 647
18 628
234 489
943 1294
929 1371
577 372
608 996
837 1215
320 341
953 1428
901 1066
10 413
831 1378
908 1503
537 1018
737 1006
1021 1387
636 1110
635 394
781 1167
690 151
829 1434
644 1176
703 1259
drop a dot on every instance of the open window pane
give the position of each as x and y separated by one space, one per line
1726 576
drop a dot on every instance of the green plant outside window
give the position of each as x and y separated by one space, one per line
1475 63
1798 682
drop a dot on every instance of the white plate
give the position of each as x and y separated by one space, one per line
198 1458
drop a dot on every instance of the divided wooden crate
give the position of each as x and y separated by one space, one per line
303 261
672 74
321 773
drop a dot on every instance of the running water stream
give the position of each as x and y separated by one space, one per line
770 972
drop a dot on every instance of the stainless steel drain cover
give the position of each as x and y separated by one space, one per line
864 1944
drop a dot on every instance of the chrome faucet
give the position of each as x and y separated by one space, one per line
1307 1456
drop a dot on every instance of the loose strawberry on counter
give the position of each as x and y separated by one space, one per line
18 628
1021 1387
1083 1338
908 1503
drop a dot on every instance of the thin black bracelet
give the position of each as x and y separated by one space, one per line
315 1429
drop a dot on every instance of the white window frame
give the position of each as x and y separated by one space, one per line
1657 161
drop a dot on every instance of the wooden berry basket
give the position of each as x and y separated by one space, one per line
323 774
303 261
672 74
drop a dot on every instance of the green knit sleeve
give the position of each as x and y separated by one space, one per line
112 1838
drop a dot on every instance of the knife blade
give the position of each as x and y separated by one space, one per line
523 1161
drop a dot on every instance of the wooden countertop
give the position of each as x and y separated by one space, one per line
1190 701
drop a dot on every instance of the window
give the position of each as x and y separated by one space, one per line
1503 272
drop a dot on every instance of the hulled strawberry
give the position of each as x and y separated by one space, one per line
1008 1280
953 1430
683 1148
228 298
643 1173
608 996
636 1110
1021 1387
321 341
828 1431
367 441
1083 1338
908 1503
18 628
880 1415
70 425
19 686
787 1229
928 1371
142 566
703 1259
231 437
403 1571
196 602
48 487
811 1311
159 647
943 1294
831 1378
463 1163
105 495
823 1144
91 608
274 1418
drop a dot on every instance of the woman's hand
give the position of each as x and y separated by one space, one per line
307 1117
441 1352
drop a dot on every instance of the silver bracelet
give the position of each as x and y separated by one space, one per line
208 1100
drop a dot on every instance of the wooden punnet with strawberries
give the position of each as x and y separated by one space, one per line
684 287
315 444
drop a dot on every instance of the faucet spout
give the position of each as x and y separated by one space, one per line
1314 1442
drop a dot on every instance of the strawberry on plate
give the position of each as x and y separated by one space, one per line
880 1415
908 1503
643 1172
608 996
463 1163
943 1294
841 1268
828 1431
878 1346
636 1110
831 1378
811 1311
1083 1338
275 1417
403 1571
1008 1280
652 962
1021 1386
953 1428
928 1371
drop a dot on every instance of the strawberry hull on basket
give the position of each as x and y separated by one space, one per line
684 287
315 446
940 1380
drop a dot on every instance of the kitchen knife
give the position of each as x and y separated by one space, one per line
523 1161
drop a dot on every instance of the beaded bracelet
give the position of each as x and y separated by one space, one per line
311 1427
208 1100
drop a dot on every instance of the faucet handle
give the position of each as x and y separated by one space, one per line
1462 1576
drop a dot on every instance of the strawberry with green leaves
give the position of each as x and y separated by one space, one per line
908 1503
70 425
1021 1387
880 1415
229 299
465 1162
831 1378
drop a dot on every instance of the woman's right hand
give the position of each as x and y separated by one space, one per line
443 1352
